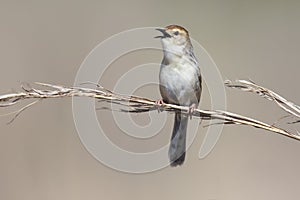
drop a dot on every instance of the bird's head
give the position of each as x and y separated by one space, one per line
174 38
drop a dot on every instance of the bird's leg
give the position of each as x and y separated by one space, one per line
158 104
191 110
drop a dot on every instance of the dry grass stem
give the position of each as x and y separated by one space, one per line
250 86
137 104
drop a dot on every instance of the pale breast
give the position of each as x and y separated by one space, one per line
178 83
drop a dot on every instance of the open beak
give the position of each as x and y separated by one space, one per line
163 31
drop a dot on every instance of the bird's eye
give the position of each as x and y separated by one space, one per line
176 33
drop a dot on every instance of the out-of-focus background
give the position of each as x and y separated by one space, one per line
46 41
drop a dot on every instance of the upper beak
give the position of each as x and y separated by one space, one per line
163 31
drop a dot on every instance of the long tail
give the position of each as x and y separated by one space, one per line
178 140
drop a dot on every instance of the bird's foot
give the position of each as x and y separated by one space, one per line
158 104
191 110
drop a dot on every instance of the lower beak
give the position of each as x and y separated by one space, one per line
163 31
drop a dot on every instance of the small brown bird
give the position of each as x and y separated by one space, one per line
180 83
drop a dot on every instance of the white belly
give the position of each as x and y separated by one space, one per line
179 83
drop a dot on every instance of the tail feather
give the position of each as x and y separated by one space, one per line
178 140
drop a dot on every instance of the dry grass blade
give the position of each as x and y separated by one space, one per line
135 104
250 86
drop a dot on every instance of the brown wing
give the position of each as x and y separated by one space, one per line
198 88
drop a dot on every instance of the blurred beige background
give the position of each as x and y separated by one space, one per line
40 152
